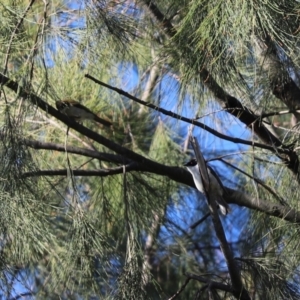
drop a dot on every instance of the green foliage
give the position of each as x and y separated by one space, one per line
125 233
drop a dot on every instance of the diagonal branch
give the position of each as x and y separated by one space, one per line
181 289
166 23
283 86
14 33
180 175
269 208
76 126
238 289
190 121
213 284
108 157
177 174
174 173
229 102
247 117
257 180
279 113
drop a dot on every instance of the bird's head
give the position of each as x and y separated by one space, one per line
60 105
191 163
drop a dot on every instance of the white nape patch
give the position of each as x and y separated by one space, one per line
194 170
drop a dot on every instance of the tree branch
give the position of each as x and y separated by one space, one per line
269 208
229 102
257 180
181 289
99 173
279 113
238 290
76 126
190 121
174 173
14 33
177 174
22 296
165 22
213 284
108 157
282 85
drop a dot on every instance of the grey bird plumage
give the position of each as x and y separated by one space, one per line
78 112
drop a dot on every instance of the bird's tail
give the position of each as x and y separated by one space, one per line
102 121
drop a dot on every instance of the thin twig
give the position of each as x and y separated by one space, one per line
214 284
181 289
187 120
13 35
193 226
257 180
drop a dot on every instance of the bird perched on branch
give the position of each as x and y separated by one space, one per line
78 112
216 188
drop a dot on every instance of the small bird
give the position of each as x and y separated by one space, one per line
216 186
78 112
